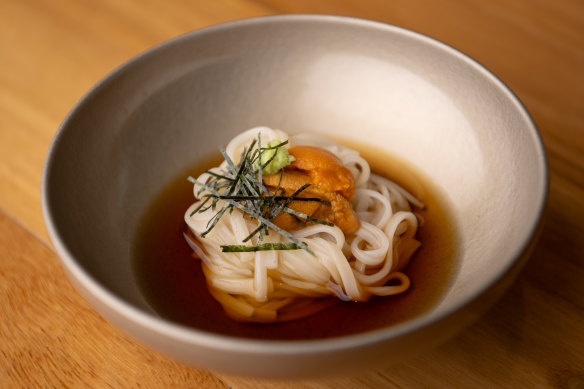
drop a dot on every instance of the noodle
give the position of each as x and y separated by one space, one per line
272 286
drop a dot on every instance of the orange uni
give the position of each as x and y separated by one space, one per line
328 179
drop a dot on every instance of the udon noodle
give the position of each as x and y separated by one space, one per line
280 285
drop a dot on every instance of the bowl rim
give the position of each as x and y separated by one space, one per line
83 280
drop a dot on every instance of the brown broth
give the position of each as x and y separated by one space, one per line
174 285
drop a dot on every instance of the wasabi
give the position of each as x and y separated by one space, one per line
279 161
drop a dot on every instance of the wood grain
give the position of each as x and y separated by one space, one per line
51 337
53 52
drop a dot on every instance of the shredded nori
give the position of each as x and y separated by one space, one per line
241 186
238 248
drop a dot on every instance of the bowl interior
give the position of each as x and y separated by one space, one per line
410 96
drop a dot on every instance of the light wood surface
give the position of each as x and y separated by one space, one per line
51 52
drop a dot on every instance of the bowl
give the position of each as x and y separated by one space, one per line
362 81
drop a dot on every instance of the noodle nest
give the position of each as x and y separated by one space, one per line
282 285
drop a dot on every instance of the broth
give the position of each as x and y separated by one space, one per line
175 287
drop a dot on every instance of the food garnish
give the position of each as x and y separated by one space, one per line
241 186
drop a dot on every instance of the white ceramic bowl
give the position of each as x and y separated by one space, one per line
359 80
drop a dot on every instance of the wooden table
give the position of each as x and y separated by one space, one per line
51 52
